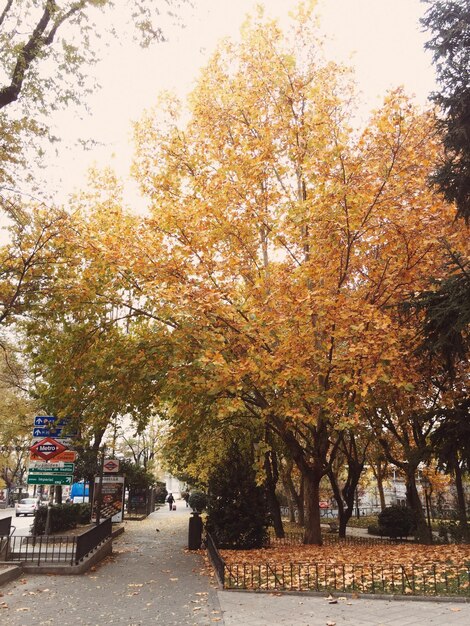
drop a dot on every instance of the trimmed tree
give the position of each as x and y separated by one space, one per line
237 511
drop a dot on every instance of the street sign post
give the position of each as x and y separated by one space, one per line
111 466
67 470
48 420
47 448
67 455
49 479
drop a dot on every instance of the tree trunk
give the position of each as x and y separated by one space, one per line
414 502
312 534
272 475
296 500
301 503
380 487
462 509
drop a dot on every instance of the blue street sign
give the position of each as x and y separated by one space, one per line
48 420
55 433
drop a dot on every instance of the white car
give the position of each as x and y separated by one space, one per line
27 506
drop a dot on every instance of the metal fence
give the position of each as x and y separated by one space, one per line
91 539
217 561
53 548
432 579
295 538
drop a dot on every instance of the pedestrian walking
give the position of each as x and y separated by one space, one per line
170 500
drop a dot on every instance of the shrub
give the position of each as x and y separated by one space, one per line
160 492
237 515
198 501
374 529
62 517
397 521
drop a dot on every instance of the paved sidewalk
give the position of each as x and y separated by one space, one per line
251 609
152 579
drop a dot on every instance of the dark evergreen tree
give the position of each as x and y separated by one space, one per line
449 23
446 305
236 513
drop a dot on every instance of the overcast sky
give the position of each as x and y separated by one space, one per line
382 39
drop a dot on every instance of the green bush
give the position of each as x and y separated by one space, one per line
237 514
160 492
62 517
451 531
397 521
374 529
198 501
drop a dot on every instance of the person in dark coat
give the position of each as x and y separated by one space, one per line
170 501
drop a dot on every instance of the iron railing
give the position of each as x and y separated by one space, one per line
54 549
431 579
91 539
50 549
427 580
297 538
217 561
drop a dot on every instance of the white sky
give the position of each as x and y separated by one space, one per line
383 37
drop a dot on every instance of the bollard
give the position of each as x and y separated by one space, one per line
195 531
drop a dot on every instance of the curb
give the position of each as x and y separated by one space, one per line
10 573
355 596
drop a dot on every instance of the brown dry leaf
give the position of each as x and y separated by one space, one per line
196 608
455 610
24 608
135 585
173 579
330 623
215 619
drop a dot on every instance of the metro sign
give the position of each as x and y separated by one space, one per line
111 465
69 456
47 448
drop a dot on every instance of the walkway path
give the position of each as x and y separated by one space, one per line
152 579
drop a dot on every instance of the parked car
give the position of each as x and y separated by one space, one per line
27 506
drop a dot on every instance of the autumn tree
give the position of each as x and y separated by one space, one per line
281 239
48 47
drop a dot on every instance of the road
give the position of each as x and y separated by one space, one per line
22 523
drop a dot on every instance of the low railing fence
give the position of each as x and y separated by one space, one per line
427 580
50 549
297 538
91 539
53 548
431 579
217 561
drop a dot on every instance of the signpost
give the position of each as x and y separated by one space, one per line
49 479
47 448
68 456
46 468
111 466
48 420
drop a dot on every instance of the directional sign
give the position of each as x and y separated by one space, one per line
111 466
47 432
67 455
51 465
49 479
50 469
47 448
62 440
48 420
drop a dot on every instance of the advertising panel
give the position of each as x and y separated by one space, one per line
112 501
